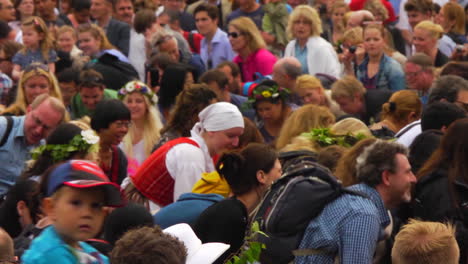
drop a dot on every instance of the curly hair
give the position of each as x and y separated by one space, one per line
145 245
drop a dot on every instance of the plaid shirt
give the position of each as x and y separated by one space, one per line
348 228
5 89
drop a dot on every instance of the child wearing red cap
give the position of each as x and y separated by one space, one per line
76 193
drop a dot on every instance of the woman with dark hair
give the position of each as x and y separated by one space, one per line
185 112
270 104
20 208
441 193
67 141
422 148
176 78
111 121
249 173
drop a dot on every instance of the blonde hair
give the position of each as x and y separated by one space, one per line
97 33
47 42
308 13
435 30
307 81
354 36
351 126
421 242
20 104
248 28
400 105
347 87
336 5
376 8
304 119
151 128
455 12
301 143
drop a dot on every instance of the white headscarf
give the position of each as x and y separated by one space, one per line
217 117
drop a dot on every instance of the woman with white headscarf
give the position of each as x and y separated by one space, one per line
177 165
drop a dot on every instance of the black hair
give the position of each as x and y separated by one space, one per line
23 190
172 83
211 10
63 134
80 5
422 148
68 75
215 76
108 111
240 168
5 29
266 85
125 218
440 114
174 16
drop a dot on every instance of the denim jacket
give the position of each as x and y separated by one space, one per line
390 75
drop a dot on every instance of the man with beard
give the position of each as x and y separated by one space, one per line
350 227
232 72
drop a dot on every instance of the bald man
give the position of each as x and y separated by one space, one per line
285 73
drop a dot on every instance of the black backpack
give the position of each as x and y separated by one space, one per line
292 202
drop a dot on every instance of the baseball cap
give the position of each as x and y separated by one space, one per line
196 251
84 174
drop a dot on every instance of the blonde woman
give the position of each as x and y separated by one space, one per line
304 119
35 80
315 53
425 39
310 90
146 123
452 17
253 57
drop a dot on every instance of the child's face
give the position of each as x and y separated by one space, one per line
66 41
77 214
31 38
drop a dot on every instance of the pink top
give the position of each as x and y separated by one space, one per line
261 61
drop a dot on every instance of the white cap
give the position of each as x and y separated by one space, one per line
198 253
219 116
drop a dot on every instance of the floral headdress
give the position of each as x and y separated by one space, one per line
324 137
85 141
137 86
263 91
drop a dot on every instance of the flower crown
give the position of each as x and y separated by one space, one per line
137 86
324 137
85 141
268 92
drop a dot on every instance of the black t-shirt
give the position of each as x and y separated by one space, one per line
224 222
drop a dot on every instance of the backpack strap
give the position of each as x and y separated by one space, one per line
7 131
190 41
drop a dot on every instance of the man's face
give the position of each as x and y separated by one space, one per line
100 8
124 11
91 96
280 77
175 5
40 122
205 25
45 8
349 105
234 86
417 78
414 17
170 47
82 16
401 181
7 12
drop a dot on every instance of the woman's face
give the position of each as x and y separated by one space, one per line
115 132
311 96
188 80
26 8
338 15
423 42
137 105
302 28
89 44
273 174
66 41
237 39
269 112
373 42
35 86
445 23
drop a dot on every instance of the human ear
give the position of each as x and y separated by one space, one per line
48 206
386 177
21 208
261 177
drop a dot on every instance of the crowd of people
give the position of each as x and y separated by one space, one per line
158 131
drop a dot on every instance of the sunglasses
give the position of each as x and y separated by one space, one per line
234 34
36 66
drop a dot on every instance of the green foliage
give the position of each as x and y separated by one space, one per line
251 250
324 137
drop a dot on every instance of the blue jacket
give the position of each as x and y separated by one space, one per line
186 209
48 247
390 75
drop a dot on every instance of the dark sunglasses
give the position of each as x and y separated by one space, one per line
36 66
234 34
